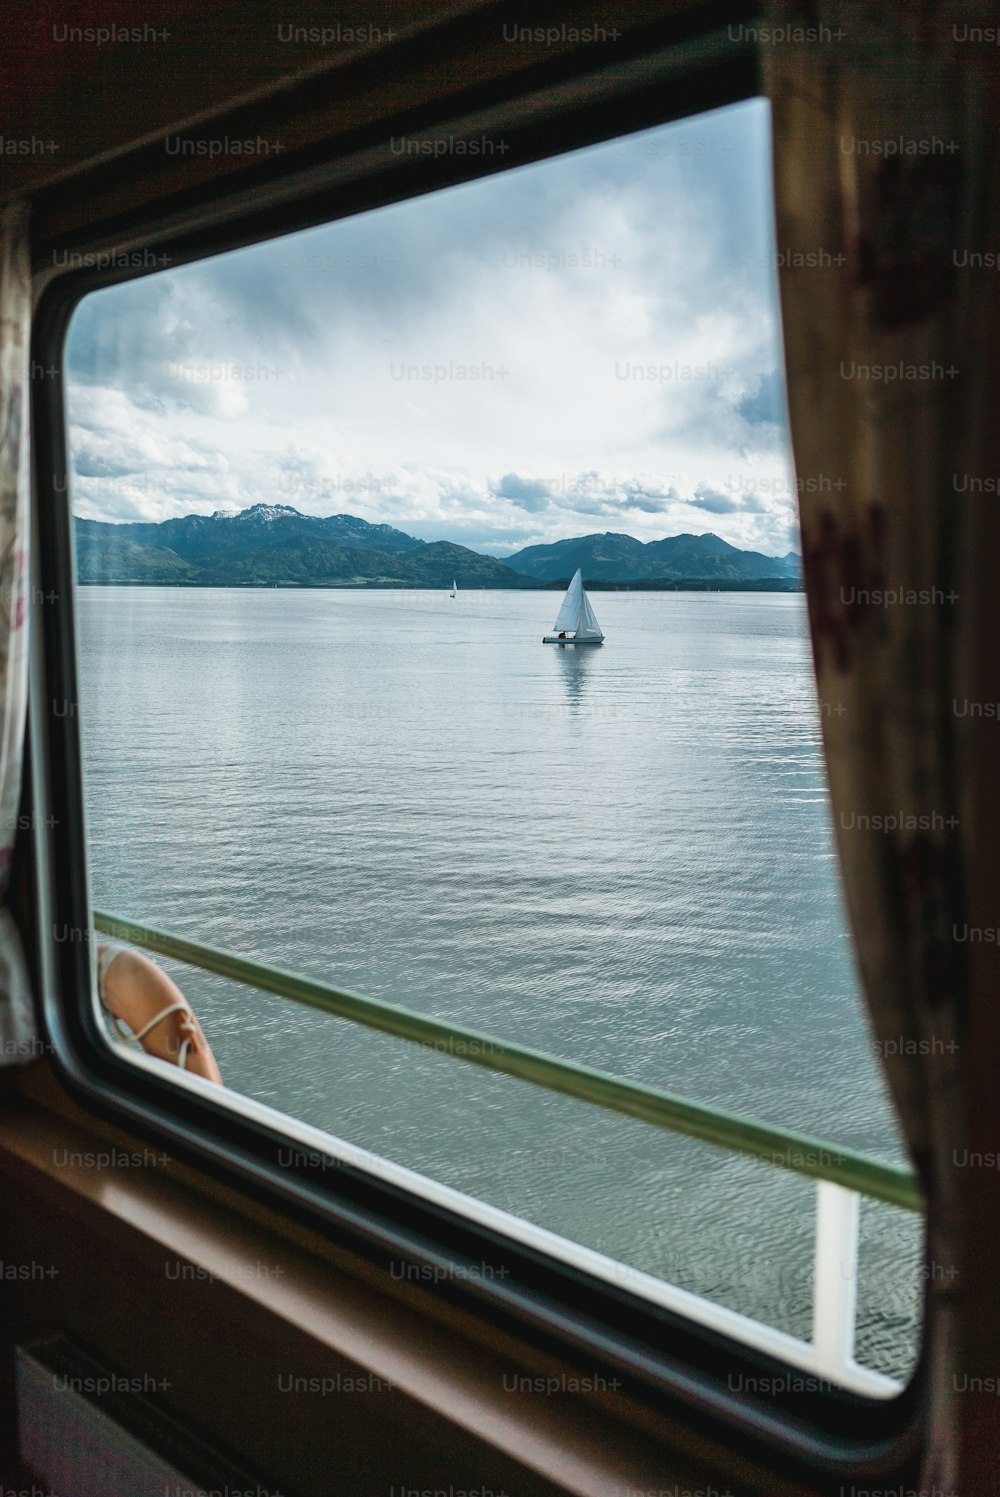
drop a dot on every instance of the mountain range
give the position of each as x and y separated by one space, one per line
621 558
273 545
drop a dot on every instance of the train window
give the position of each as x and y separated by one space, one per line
544 935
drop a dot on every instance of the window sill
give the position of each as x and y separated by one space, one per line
447 1372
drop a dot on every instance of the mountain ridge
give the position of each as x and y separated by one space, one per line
277 546
613 557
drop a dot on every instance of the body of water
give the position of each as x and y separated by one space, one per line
620 855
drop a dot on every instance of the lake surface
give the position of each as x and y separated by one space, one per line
621 855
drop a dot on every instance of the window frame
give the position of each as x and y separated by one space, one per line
661 1359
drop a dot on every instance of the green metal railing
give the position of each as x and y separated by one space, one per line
780 1147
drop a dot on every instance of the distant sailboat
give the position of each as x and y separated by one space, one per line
575 622
454 587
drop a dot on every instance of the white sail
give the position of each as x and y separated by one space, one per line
588 627
576 615
569 613
454 586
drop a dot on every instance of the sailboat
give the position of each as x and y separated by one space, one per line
454 587
576 623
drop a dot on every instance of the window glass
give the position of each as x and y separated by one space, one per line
328 495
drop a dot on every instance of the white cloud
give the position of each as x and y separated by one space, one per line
576 345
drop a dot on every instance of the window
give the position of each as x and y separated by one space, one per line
323 490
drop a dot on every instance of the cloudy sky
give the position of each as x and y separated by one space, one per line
584 345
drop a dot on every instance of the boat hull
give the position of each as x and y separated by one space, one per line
553 639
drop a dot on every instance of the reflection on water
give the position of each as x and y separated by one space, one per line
574 663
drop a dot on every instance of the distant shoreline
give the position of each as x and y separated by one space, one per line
653 585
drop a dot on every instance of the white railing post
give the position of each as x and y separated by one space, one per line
835 1285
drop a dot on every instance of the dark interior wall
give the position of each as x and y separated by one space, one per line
72 107
216 1305
221 1365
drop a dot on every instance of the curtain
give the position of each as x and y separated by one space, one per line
18 1033
886 181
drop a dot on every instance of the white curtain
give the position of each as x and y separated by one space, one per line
18 1032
